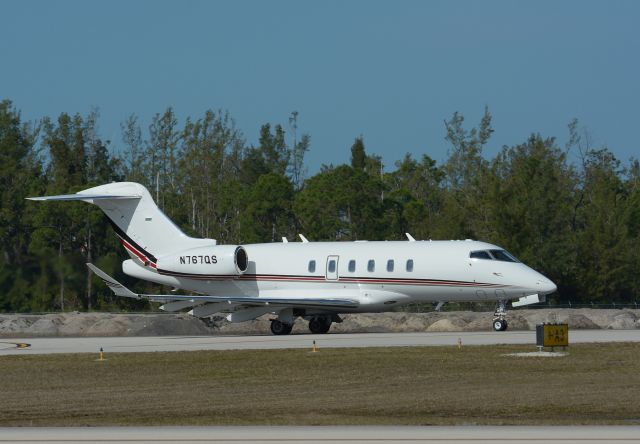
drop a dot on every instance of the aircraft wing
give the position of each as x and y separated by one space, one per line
121 290
115 286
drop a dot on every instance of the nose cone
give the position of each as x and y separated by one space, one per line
544 285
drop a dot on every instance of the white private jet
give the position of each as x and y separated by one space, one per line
317 281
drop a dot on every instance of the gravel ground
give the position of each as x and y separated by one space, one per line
161 324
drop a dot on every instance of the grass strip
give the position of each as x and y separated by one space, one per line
594 384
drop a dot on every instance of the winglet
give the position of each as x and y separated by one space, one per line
411 238
115 286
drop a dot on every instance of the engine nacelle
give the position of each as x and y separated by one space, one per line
218 260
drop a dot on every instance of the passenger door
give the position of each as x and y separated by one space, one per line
332 268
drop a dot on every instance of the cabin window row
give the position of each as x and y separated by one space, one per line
371 266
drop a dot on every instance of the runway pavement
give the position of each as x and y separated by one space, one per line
192 343
377 434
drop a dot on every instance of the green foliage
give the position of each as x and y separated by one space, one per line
528 206
358 155
416 188
300 147
341 204
602 238
465 175
268 212
578 223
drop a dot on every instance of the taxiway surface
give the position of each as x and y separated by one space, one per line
193 343
377 434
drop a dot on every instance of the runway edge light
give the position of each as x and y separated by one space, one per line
21 345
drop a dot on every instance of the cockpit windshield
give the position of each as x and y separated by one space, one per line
480 255
502 255
498 255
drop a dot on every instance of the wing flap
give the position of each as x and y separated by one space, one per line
258 301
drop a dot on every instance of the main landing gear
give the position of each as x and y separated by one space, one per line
499 317
320 324
280 328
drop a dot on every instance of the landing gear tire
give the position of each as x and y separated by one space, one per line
319 325
500 325
499 317
280 328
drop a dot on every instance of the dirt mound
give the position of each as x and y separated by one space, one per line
624 321
454 324
101 324
579 321
163 324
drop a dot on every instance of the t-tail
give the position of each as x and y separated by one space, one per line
147 234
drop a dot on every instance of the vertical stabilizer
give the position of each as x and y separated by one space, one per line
146 232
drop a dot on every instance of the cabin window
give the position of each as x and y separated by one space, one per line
390 265
371 265
410 265
352 266
480 255
332 266
312 266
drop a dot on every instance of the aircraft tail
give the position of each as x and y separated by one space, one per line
144 230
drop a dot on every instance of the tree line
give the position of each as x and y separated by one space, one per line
571 212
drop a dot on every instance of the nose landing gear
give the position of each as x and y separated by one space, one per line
500 325
499 317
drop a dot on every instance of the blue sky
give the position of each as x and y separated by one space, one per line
391 71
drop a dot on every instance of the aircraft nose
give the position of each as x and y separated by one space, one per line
545 286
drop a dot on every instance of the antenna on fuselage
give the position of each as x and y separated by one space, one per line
411 239
304 239
285 240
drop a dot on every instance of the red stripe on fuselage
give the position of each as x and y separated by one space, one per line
293 278
139 255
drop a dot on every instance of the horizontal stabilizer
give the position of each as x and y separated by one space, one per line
84 197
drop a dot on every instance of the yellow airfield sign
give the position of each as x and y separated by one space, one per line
552 335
